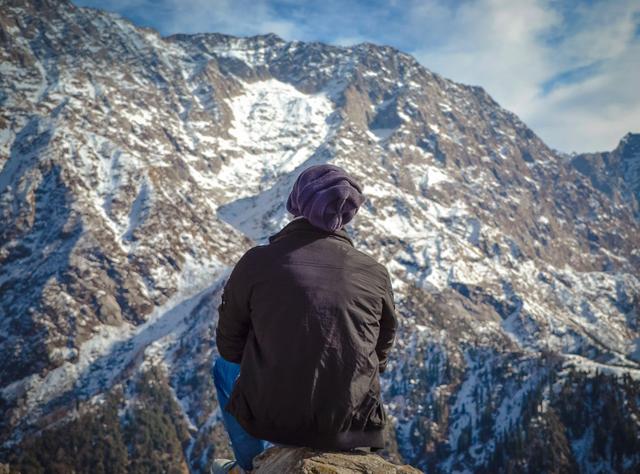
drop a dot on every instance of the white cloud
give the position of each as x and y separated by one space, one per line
513 49
240 17
493 44
596 113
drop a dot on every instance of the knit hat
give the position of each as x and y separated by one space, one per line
326 195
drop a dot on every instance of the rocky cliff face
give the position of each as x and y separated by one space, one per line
616 173
136 169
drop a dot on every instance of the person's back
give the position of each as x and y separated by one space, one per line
311 321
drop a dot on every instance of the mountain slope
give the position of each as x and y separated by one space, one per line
615 173
135 170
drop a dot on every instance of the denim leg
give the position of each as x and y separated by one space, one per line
245 447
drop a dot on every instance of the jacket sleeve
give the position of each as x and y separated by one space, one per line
234 320
388 325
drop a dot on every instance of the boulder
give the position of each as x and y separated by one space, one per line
284 460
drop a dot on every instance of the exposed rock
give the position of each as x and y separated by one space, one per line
615 173
285 460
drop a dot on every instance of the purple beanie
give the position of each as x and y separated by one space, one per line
326 195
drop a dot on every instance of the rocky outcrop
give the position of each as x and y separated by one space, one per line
615 173
285 460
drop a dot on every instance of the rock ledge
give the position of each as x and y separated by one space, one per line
285 460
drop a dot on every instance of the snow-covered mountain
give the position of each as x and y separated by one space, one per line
136 169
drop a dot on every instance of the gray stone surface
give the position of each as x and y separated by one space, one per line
285 460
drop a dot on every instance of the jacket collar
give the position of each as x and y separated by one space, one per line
303 225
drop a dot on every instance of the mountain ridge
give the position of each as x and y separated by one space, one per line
135 170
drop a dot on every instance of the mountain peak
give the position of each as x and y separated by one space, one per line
270 38
630 145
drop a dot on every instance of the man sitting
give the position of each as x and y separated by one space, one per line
305 327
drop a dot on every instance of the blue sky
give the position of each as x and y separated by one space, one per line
569 69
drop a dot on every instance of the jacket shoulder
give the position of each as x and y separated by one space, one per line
250 257
371 263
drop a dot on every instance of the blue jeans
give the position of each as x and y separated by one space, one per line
245 447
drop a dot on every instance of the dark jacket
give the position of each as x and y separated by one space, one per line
311 320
